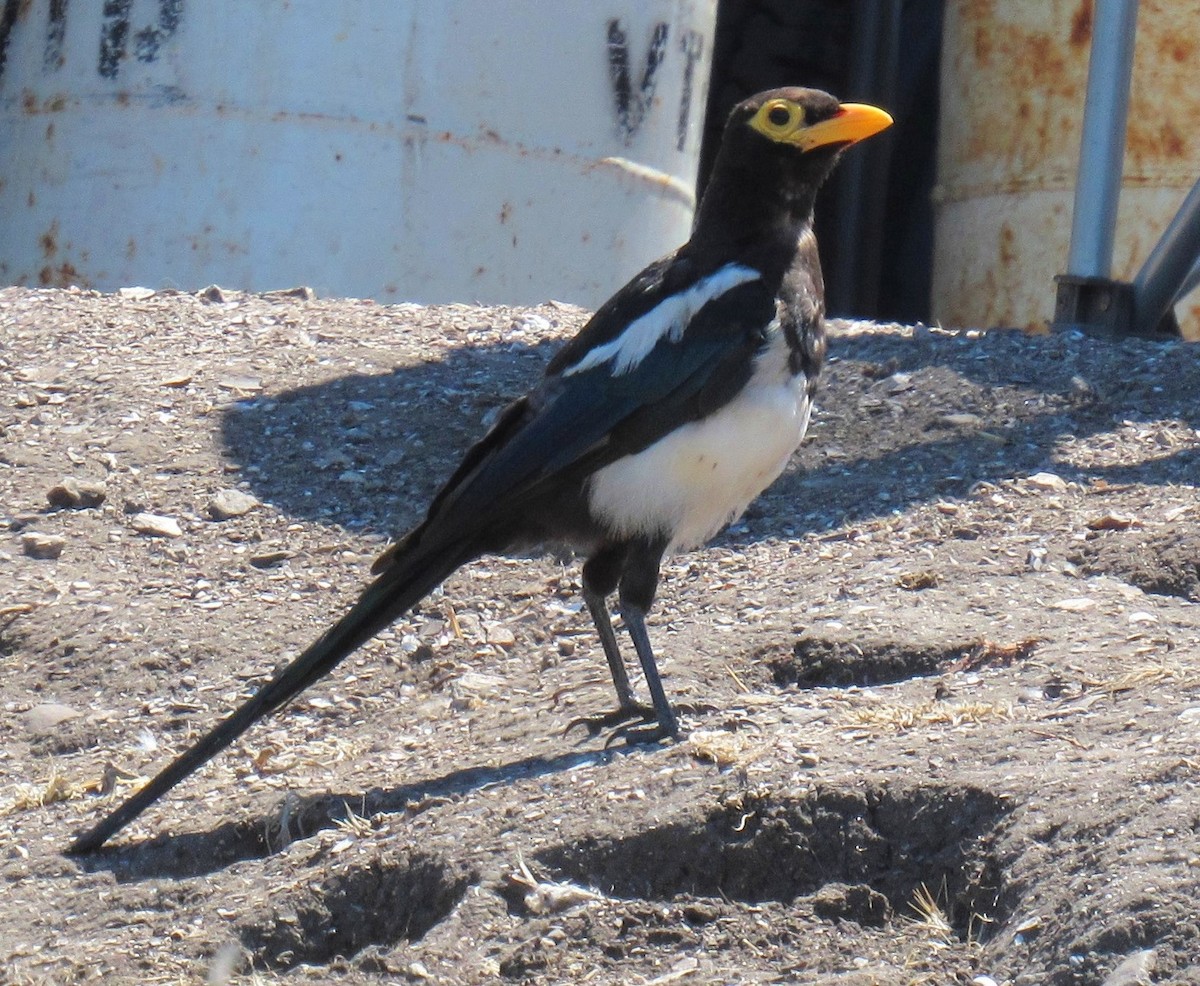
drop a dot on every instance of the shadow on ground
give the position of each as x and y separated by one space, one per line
192 854
369 452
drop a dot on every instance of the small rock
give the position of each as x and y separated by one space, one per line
857 902
157 525
302 291
231 503
1134 970
1047 481
214 294
240 382
700 913
499 634
532 322
136 293
269 559
897 383
1113 522
1077 604
180 378
43 546
962 420
43 718
76 494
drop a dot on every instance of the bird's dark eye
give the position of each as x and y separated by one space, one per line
779 116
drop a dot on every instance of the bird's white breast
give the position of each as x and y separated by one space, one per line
692 482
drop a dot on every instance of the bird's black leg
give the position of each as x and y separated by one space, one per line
639 582
600 577
668 725
598 607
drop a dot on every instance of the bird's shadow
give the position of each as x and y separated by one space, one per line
193 854
368 452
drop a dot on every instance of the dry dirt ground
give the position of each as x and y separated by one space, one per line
943 678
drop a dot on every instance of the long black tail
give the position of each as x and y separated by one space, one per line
393 593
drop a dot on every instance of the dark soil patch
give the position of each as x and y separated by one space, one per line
1166 563
760 848
385 902
840 662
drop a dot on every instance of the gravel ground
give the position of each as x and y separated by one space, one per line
942 682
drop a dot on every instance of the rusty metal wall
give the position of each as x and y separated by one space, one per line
1014 74
454 151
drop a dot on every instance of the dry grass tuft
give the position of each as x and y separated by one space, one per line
1149 675
354 824
900 717
56 788
724 748
928 916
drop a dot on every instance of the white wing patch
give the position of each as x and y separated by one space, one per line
696 479
666 320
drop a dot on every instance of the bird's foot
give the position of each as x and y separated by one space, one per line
597 724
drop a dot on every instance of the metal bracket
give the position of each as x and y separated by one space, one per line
1093 303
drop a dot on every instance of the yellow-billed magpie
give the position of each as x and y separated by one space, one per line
678 403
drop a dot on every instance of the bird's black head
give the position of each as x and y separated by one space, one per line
777 149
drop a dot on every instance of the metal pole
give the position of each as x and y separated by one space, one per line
1190 283
1102 150
1166 269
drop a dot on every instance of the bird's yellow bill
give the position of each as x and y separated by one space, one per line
851 123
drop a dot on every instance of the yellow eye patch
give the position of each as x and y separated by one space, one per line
778 118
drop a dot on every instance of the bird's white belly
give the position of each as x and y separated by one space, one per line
692 482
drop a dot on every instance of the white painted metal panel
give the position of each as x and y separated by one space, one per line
465 150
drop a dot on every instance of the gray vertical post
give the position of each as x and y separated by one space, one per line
1102 150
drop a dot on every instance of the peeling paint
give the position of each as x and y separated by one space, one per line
1014 77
